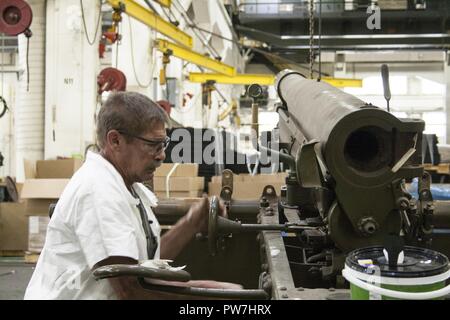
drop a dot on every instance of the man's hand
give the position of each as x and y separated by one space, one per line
198 214
195 221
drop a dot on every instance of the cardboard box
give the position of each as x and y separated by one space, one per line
37 230
38 207
40 193
179 183
247 187
182 170
57 169
19 187
29 169
13 226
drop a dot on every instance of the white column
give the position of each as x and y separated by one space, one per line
72 66
29 112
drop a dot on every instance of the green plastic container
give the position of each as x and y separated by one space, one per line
422 270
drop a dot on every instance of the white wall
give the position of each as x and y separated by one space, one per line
29 107
7 147
72 66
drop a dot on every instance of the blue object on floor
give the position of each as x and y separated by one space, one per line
439 191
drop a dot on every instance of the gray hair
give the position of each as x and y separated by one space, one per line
131 112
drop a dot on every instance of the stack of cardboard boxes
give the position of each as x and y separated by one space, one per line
178 181
248 187
41 188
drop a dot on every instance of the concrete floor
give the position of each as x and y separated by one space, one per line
14 277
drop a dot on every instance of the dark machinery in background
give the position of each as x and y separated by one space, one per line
348 165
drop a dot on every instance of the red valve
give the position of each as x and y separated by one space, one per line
111 79
101 49
111 36
15 17
107 37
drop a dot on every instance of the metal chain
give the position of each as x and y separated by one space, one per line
96 25
311 38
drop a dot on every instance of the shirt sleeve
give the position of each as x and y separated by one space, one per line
104 229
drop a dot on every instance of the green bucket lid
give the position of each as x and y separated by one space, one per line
417 263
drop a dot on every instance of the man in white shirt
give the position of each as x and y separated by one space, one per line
100 219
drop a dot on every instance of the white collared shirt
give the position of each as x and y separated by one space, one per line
96 217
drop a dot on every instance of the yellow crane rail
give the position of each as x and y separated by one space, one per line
263 79
152 20
165 3
342 82
194 57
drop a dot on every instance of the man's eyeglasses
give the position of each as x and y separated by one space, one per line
159 145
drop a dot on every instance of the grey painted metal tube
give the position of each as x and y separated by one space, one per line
354 137
180 207
245 294
286 158
317 106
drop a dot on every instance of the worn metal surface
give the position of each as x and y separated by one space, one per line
118 270
244 294
272 246
171 209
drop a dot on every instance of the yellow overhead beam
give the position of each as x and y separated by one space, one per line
342 82
152 20
262 79
165 3
194 57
